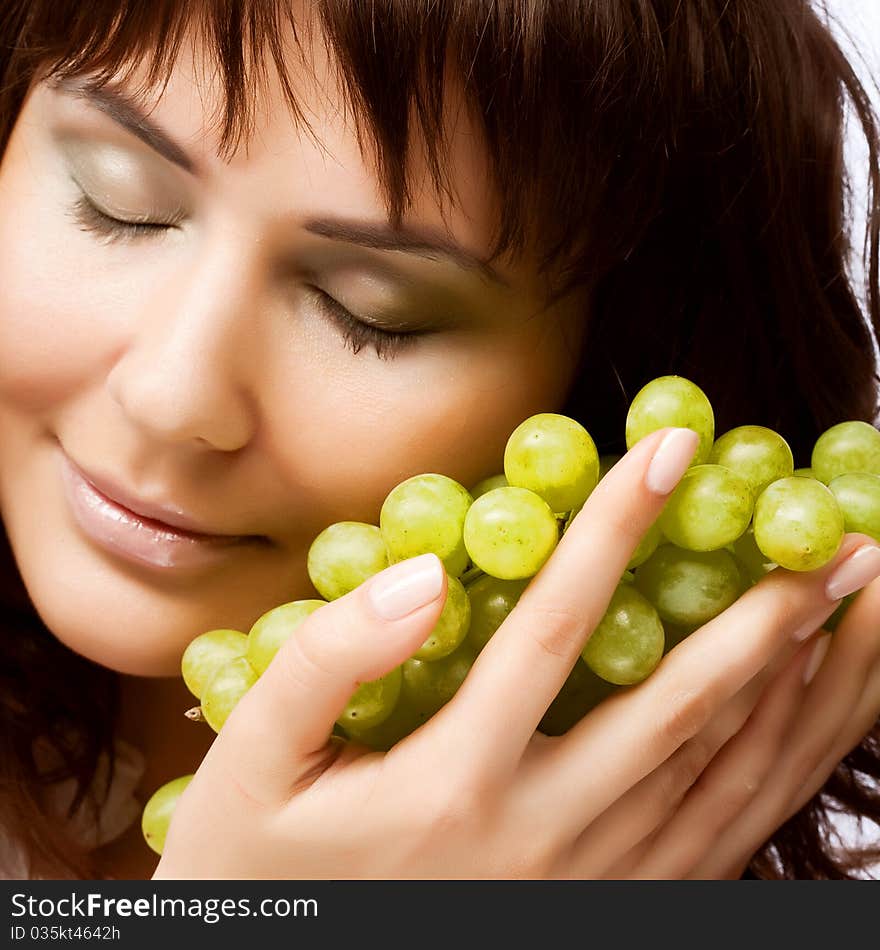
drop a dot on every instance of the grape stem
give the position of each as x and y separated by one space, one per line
471 575
195 714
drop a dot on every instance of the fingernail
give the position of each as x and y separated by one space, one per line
816 657
671 460
856 571
403 588
807 630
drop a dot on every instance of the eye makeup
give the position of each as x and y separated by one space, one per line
90 218
356 333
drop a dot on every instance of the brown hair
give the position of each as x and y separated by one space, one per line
681 159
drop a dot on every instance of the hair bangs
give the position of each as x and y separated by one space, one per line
525 67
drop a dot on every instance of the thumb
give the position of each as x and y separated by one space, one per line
270 737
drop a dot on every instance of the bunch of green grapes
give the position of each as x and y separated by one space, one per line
740 511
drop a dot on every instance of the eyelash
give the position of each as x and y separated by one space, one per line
356 334
112 230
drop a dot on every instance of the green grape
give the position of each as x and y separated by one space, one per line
402 721
491 600
751 557
628 642
833 622
372 702
157 813
224 689
804 472
672 401
555 457
425 515
647 546
452 625
628 576
798 523
757 454
429 685
858 495
510 532
846 448
487 484
581 692
344 555
689 588
274 627
207 653
606 463
674 634
710 508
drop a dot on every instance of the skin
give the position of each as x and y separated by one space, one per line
689 755
195 367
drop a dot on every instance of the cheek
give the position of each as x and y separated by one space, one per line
58 309
448 410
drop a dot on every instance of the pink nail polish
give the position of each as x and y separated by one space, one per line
404 587
857 571
816 658
806 630
671 460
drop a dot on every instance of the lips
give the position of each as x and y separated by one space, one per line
135 537
152 514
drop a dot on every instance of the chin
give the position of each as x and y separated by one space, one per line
121 616
107 618
115 642
103 654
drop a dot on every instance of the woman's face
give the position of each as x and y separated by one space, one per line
194 366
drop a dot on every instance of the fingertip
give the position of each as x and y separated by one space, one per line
671 459
405 587
817 652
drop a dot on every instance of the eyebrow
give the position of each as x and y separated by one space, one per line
420 241
125 111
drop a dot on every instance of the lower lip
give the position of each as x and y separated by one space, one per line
136 539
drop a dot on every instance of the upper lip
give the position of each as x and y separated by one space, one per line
166 515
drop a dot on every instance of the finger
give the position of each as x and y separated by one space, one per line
732 778
864 617
271 738
523 666
632 733
845 682
625 867
858 724
652 803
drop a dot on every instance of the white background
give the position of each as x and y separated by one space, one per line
861 19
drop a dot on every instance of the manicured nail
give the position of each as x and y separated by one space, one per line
671 460
807 630
816 657
857 570
403 588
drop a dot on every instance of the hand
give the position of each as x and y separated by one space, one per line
476 792
831 717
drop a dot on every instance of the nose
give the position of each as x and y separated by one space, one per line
185 374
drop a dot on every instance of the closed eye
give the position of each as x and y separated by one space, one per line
90 218
358 333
